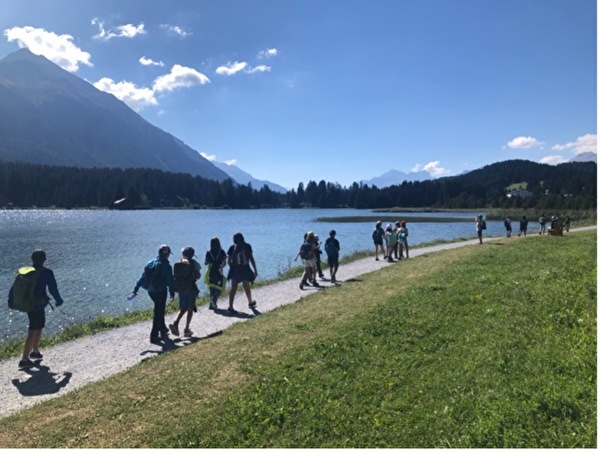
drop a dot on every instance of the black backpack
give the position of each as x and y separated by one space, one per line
184 278
305 250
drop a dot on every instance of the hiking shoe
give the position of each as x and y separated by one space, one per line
187 332
212 305
26 364
36 355
174 327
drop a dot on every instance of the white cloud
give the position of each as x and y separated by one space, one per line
57 48
261 68
149 62
136 98
433 168
585 143
524 142
269 53
553 160
231 68
208 156
179 77
125 31
176 30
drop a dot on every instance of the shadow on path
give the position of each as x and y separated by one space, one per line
42 381
171 344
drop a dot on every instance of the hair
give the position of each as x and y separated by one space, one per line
215 244
38 256
238 238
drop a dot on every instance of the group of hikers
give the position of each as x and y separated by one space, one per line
392 241
555 223
29 292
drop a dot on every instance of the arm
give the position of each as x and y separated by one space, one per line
53 287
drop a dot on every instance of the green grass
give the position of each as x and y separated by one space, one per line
483 346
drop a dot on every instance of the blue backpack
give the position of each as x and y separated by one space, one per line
150 272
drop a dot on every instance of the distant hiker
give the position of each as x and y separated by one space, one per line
567 224
403 238
157 279
215 260
307 254
377 236
33 286
185 274
508 227
542 222
318 253
390 242
479 227
397 250
332 248
523 226
240 257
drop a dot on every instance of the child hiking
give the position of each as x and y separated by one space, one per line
42 279
215 260
185 274
240 257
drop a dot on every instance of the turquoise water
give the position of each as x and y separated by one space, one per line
98 255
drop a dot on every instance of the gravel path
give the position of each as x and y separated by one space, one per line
71 365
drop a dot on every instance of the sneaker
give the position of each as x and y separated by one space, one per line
36 355
212 305
333 279
301 286
252 304
315 284
187 332
156 341
26 364
231 310
174 327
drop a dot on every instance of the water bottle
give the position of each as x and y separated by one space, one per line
131 296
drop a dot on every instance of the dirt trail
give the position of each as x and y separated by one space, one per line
71 365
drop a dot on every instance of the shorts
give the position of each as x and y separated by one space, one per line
187 300
333 261
309 263
37 319
378 241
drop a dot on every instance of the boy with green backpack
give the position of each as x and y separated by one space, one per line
28 294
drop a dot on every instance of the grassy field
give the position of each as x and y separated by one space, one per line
483 346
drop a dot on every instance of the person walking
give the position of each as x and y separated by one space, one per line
567 224
390 242
215 260
403 238
479 227
377 235
397 247
307 254
157 278
37 317
542 222
318 253
508 227
332 248
240 257
523 226
185 274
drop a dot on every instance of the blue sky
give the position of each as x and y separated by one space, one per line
336 90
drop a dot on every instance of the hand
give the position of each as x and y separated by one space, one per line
59 302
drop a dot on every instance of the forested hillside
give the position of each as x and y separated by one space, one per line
570 185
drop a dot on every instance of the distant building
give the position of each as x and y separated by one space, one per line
523 193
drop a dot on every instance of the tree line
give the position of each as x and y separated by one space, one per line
565 186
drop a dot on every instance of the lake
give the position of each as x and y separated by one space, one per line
97 256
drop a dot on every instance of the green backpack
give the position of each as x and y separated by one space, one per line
23 289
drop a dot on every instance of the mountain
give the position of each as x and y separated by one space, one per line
393 177
585 157
241 177
50 116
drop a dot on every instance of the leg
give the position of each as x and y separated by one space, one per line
247 290
232 291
